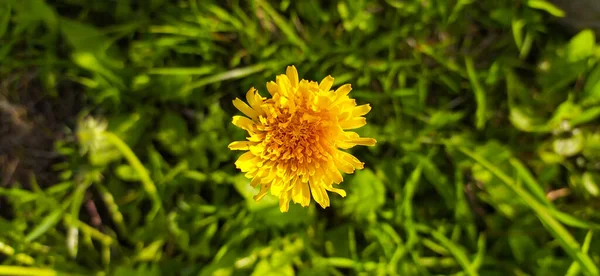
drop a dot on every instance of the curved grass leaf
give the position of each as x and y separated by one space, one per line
567 242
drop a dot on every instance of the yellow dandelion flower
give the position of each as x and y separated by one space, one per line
295 138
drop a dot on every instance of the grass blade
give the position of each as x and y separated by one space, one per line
21 270
48 222
575 269
147 182
202 70
458 253
407 206
480 97
282 24
231 74
568 243
534 187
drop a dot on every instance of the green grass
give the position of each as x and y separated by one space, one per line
485 112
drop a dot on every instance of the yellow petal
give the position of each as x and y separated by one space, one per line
346 115
344 145
284 202
343 165
319 194
352 160
240 145
256 137
326 84
361 110
292 75
342 91
270 176
301 194
351 135
337 191
254 100
323 101
273 88
246 109
354 123
284 85
334 174
255 181
263 191
243 123
278 187
363 141
251 173
246 161
256 150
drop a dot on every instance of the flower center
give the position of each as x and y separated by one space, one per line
295 137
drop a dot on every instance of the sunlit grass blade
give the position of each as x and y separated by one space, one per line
48 222
536 189
26 271
568 243
88 230
147 182
575 269
481 252
231 74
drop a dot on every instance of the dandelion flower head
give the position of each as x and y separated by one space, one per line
296 138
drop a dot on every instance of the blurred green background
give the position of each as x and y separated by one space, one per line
116 116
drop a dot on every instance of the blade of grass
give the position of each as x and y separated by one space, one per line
481 249
48 222
282 24
73 234
147 182
231 74
434 262
407 206
462 210
527 43
587 116
575 269
91 231
480 97
573 221
458 253
113 208
568 243
536 189
546 6
352 243
517 30
202 70
21 270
